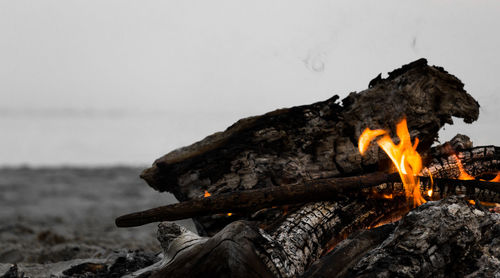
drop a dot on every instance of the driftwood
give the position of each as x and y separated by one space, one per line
316 141
230 253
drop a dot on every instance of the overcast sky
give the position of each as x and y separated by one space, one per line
189 68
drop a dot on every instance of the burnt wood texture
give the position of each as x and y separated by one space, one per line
299 144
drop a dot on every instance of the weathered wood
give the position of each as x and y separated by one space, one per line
316 141
230 253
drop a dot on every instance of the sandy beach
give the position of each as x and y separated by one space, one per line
50 215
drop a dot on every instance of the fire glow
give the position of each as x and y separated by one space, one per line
403 155
465 176
207 194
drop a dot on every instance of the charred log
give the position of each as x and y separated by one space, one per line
313 230
298 144
349 252
438 239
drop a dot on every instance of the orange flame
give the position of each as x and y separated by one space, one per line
207 194
463 175
403 155
429 193
497 178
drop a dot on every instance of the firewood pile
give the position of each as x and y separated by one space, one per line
290 194
297 192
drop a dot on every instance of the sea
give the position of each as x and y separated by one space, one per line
71 137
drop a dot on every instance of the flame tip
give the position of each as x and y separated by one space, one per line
403 155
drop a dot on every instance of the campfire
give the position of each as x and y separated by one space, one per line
335 189
405 157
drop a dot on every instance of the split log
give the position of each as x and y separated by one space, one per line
316 141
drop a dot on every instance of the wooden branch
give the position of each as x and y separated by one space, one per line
318 190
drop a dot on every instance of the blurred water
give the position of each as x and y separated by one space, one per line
58 137
98 138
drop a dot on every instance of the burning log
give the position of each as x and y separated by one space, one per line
317 141
445 169
278 152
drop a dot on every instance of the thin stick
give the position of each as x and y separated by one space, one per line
256 199
252 200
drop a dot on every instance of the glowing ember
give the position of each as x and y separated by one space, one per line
207 194
403 155
429 193
463 175
387 196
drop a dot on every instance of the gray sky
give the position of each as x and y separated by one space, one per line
168 73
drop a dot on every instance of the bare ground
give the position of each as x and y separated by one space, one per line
53 215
